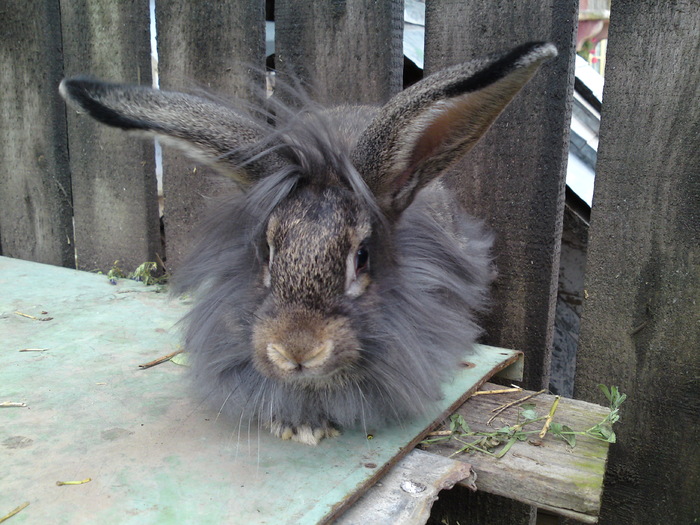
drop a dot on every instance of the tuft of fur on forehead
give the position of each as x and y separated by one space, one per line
317 145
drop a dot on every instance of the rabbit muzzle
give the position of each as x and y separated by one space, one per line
303 346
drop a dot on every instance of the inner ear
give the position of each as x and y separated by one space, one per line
448 130
440 120
447 118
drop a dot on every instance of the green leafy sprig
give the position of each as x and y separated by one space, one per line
602 431
488 442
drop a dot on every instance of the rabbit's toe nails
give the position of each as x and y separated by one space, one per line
305 434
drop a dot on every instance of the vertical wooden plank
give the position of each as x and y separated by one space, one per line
347 51
515 177
35 191
114 185
640 326
217 46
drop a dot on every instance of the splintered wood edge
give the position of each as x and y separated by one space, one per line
392 502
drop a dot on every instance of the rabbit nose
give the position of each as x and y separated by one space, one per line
291 359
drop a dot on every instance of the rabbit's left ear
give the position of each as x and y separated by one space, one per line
205 130
426 128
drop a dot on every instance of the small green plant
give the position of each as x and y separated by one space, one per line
602 431
115 273
506 437
144 273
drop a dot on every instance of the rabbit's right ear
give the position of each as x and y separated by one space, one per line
206 131
428 127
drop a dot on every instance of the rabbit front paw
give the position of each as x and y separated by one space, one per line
305 434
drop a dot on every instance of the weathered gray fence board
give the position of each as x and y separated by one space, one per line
514 178
35 191
114 185
219 47
348 52
640 324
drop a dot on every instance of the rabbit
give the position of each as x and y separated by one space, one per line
341 285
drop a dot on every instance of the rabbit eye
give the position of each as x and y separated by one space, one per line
357 277
361 259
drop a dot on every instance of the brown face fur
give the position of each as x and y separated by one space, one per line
301 334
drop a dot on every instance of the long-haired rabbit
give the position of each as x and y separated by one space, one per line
339 286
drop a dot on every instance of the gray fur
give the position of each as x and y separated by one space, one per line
293 325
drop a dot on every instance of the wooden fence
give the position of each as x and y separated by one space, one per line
75 193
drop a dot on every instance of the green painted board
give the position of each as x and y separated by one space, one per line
155 455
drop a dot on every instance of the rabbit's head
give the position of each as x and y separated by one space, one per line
317 266
340 285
